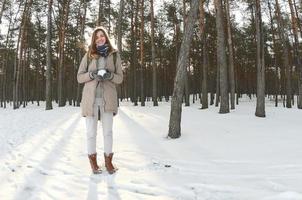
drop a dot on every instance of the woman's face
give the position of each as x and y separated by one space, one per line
100 38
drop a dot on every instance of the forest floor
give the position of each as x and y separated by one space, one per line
234 156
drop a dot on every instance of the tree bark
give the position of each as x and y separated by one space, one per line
217 100
119 26
38 66
154 82
221 59
296 52
297 16
132 59
134 64
142 55
204 69
275 54
6 63
187 87
19 61
82 41
176 103
231 56
260 108
119 40
61 68
205 103
284 38
48 95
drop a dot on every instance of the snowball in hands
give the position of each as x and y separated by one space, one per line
101 72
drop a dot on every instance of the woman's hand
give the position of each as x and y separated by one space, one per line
94 75
108 75
105 74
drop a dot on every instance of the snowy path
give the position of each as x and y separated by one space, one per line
219 157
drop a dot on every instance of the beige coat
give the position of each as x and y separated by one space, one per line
109 87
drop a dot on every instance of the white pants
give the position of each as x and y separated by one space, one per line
92 126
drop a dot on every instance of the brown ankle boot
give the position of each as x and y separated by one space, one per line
93 163
108 163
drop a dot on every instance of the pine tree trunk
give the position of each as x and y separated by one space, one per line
297 16
6 63
4 86
119 40
187 87
39 67
176 103
154 82
134 64
284 39
217 100
204 69
221 59
48 95
231 56
18 66
16 74
260 109
109 17
61 67
82 41
119 26
275 54
296 52
142 55
205 103
23 72
20 49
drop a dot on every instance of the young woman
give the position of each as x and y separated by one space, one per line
100 71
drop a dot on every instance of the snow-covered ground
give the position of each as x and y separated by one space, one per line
234 156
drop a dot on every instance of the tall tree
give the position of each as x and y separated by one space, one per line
119 36
48 58
176 103
133 59
284 39
297 11
19 60
142 54
61 67
275 53
119 26
6 60
203 36
297 52
221 58
260 109
82 13
231 55
187 87
154 82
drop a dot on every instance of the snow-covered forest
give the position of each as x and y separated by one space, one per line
209 107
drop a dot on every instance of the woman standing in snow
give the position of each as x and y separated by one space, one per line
100 71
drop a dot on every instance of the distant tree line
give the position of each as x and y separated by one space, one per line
175 51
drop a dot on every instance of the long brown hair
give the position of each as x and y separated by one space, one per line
92 51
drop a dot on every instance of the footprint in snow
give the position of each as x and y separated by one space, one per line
43 173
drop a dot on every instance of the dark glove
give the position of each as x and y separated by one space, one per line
94 75
108 75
